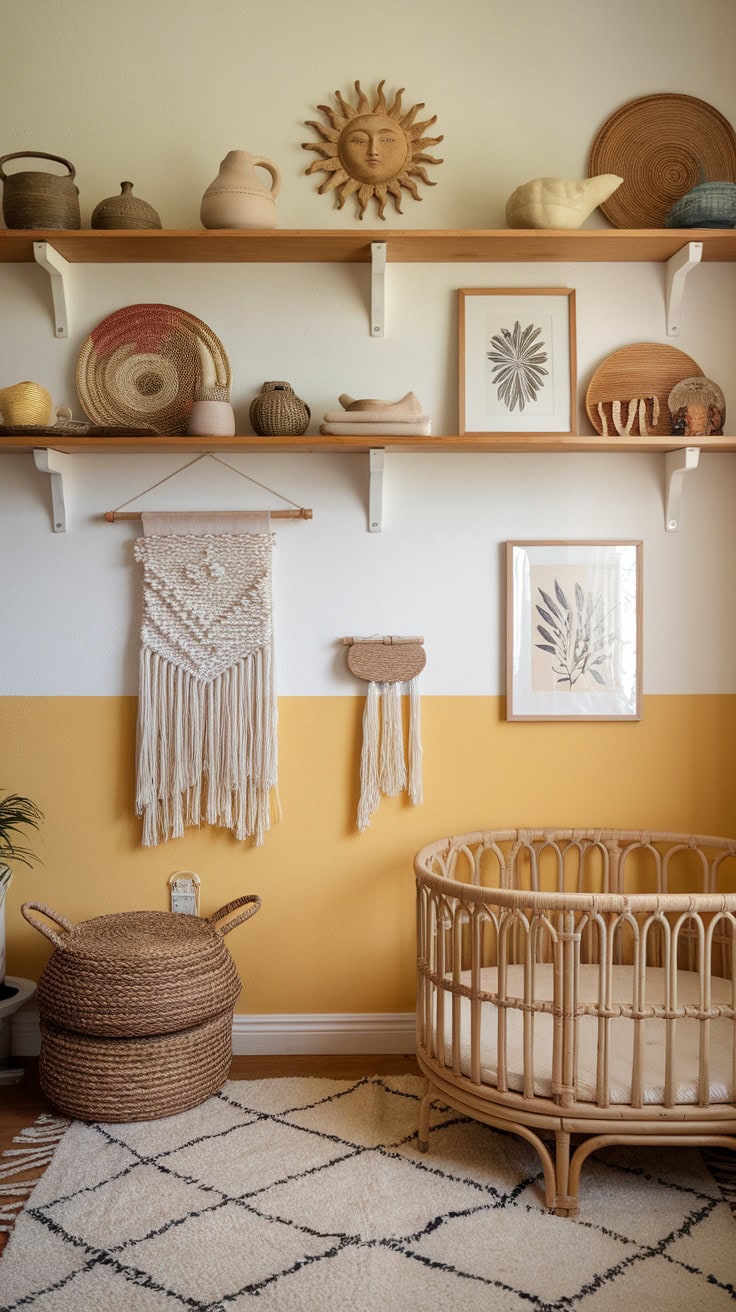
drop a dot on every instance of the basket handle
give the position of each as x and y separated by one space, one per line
35 154
48 933
255 901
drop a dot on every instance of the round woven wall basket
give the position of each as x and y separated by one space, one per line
137 972
659 144
142 366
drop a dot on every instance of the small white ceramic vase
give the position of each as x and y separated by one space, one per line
211 419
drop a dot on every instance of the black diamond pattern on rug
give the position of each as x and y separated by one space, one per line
311 1194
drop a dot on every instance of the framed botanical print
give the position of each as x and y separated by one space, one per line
517 360
574 648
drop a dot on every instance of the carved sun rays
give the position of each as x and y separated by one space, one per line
397 160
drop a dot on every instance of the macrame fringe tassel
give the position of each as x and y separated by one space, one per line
392 778
207 750
370 794
383 770
416 788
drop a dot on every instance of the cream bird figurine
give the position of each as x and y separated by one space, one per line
558 202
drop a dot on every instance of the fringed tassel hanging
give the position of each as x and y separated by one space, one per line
207 717
416 787
392 777
206 751
391 667
370 794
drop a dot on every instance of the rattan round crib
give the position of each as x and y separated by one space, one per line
579 985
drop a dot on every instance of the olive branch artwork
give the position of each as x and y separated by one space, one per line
577 637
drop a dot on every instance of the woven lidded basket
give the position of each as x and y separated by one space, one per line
278 412
709 205
134 1079
138 972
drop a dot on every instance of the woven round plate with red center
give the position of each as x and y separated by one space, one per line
141 366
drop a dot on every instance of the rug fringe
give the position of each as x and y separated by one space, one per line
39 1142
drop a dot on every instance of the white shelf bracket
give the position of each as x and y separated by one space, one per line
677 464
56 465
375 490
378 289
57 268
678 267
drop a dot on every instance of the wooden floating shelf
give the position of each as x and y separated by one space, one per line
349 443
353 245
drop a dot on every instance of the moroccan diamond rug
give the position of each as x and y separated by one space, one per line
311 1194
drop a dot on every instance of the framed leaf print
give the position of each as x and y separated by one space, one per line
573 630
517 360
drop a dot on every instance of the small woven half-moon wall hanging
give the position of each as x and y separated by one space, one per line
390 666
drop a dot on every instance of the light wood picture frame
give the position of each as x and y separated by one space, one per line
517 360
574 630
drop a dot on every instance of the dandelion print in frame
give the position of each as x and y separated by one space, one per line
517 360
573 631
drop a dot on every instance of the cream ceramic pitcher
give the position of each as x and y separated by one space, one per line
237 198
29 405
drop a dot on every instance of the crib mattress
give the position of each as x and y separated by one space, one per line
621 1044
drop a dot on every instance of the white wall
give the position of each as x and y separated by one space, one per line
158 92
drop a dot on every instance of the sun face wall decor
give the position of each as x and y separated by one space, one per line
372 150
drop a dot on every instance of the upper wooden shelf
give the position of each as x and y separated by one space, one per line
353 245
346 443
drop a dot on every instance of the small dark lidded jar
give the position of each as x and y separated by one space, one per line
278 412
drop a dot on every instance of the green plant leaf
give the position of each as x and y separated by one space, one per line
16 815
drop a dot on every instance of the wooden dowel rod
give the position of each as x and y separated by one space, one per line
388 640
112 515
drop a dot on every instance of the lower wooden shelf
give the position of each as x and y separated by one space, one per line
468 443
52 455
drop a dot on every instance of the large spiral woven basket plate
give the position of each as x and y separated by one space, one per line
142 365
658 144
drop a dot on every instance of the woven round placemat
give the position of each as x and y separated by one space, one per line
640 371
658 145
134 1079
141 366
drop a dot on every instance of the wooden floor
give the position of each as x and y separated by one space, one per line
21 1103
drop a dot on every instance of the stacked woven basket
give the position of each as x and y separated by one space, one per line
136 1011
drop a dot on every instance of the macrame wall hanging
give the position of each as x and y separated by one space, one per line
390 666
207 700
207 710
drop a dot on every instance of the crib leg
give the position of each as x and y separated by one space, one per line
565 1204
424 1109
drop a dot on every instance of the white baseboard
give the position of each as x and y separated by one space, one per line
339 1032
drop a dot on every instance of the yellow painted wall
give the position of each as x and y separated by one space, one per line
336 930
